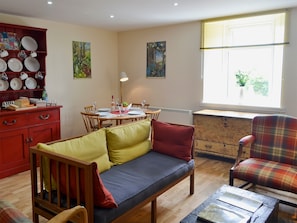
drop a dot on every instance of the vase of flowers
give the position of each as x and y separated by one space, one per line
241 80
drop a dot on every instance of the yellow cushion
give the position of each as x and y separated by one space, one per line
129 141
89 148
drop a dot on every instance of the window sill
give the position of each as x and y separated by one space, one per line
242 108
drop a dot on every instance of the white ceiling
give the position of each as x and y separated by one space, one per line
135 14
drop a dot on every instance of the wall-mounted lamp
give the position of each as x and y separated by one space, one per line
123 78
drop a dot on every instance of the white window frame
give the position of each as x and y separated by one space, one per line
219 81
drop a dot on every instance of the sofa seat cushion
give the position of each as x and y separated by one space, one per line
129 141
136 180
268 173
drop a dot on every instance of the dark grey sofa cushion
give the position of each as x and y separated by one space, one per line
136 180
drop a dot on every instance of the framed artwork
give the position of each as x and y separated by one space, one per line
81 54
156 60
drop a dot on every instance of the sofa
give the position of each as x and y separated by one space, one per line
111 171
273 151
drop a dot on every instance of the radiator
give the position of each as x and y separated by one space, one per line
175 115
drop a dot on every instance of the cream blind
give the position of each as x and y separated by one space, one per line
246 31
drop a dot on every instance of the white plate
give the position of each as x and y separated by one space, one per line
103 109
4 85
29 43
32 64
103 114
30 83
16 83
15 65
135 113
3 65
135 109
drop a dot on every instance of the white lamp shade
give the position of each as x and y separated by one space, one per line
123 77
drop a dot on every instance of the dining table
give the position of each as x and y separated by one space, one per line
133 114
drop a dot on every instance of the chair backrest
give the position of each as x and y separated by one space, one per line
153 114
91 121
139 105
276 138
89 108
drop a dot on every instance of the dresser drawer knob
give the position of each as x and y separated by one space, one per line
44 117
9 123
208 146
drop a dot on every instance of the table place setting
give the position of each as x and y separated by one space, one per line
121 111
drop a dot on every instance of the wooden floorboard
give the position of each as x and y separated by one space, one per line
173 205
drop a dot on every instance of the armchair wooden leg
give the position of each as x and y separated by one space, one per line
154 211
231 179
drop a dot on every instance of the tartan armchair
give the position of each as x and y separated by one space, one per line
273 154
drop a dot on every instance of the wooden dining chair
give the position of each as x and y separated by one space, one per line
153 114
91 109
91 121
139 105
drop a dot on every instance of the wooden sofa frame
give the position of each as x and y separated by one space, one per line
43 203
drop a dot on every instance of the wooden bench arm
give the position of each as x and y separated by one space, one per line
78 212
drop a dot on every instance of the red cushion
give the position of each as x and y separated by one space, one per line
102 197
172 139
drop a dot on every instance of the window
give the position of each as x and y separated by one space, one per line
242 60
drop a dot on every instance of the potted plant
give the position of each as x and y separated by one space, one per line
241 78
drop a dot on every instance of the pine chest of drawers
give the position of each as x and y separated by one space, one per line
218 132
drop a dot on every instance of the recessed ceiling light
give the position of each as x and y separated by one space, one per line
111 16
175 4
49 2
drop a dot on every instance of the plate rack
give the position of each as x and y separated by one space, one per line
11 40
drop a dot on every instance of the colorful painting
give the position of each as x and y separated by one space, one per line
81 59
156 59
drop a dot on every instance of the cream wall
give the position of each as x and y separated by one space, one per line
180 91
182 87
74 94
178 94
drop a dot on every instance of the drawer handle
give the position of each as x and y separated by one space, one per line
208 146
9 123
29 140
44 117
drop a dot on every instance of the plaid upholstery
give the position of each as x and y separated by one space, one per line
268 173
273 154
9 214
276 138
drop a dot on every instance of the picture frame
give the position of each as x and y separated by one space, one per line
81 54
156 60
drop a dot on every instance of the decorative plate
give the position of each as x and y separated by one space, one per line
4 85
32 64
15 65
30 83
16 83
3 65
29 43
